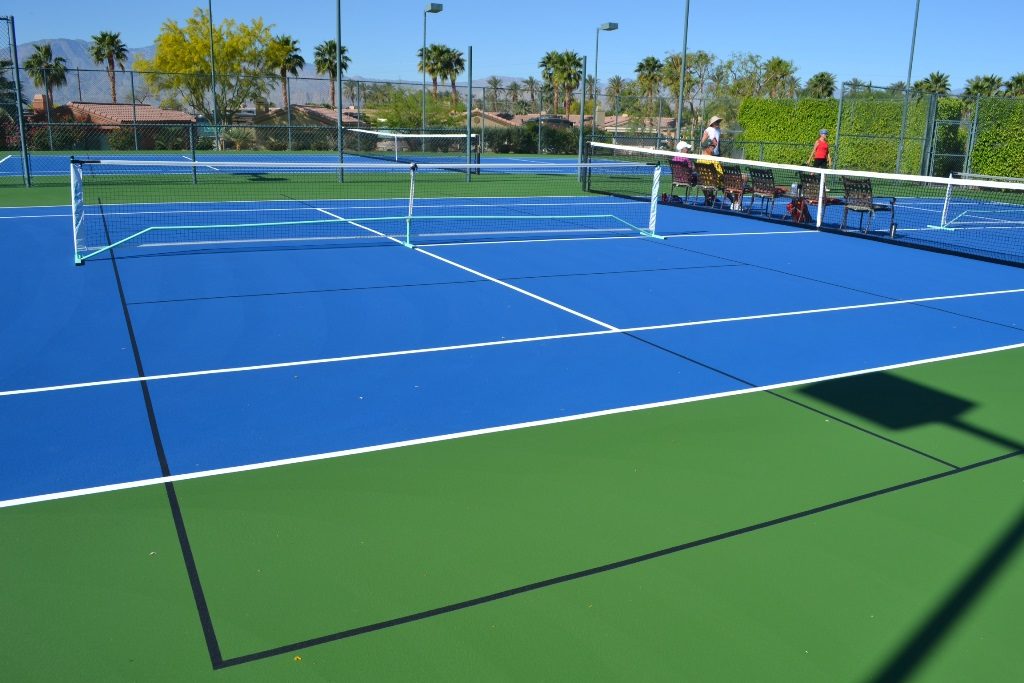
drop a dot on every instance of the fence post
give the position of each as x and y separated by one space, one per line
135 117
26 173
583 108
288 108
839 125
972 137
78 75
469 116
192 150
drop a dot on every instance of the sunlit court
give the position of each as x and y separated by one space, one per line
709 371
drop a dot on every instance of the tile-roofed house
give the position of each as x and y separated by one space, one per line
125 114
350 118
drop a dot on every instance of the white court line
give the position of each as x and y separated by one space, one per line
485 276
212 168
626 237
500 342
6 158
488 430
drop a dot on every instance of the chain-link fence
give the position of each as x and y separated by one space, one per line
95 111
13 156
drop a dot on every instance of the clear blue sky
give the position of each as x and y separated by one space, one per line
868 39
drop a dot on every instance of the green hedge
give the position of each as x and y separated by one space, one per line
999 145
869 136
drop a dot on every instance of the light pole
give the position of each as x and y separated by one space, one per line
213 71
431 8
906 90
682 73
610 26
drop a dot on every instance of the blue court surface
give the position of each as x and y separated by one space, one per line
251 355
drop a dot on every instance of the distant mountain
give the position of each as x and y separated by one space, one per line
76 52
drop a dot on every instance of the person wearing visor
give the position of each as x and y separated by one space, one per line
821 155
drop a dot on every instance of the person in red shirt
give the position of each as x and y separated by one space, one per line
821 155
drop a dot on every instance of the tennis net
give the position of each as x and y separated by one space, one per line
423 148
981 218
187 205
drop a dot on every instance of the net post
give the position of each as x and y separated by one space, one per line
412 201
77 213
192 150
652 221
821 200
945 204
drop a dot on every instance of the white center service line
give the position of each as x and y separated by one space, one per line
500 342
484 276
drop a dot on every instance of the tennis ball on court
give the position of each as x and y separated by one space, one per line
298 658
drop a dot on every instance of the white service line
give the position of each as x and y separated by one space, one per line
212 168
484 276
499 342
488 430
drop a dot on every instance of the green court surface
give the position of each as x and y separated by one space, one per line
866 528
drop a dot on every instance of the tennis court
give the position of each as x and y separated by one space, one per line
262 438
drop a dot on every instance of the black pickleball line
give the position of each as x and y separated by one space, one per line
205 620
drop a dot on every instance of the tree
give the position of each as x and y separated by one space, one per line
854 86
182 63
549 65
46 71
937 83
897 87
494 83
821 86
531 86
325 60
1015 85
286 59
107 48
984 86
432 62
570 73
9 106
452 64
648 78
779 79
614 89
514 92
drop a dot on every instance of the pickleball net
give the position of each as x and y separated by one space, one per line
421 148
969 216
149 205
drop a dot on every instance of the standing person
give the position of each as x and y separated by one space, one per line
821 155
711 140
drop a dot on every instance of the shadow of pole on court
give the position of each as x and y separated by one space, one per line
898 404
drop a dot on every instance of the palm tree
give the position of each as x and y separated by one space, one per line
46 71
1015 85
613 90
452 64
106 47
531 85
937 83
780 78
432 63
494 83
285 57
897 87
855 86
570 73
984 86
648 77
514 92
821 85
325 59
549 74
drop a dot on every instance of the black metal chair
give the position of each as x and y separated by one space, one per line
859 198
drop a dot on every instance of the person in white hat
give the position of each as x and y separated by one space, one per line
711 140
682 146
